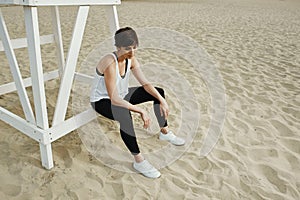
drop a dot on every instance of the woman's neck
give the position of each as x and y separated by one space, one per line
120 58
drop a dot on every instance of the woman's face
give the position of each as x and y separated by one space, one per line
128 52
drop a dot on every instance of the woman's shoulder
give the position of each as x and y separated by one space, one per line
106 61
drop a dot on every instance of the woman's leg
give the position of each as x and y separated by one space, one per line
139 95
123 116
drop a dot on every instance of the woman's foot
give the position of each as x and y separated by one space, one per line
170 137
146 169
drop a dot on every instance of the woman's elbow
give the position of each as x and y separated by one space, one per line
115 100
146 84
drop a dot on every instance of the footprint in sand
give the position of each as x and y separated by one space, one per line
10 189
290 110
272 176
293 161
259 154
4 152
242 126
63 153
283 130
291 144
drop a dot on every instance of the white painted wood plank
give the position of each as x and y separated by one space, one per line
72 124
59 2
10 2
113 19
20 124
11 87
58 39
14 68
46 155
84 78
71 62
36 69
22 42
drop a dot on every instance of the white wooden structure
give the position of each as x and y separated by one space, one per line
36 125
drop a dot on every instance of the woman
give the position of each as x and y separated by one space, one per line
112 98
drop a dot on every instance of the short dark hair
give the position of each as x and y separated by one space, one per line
125 37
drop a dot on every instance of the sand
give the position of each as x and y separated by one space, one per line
254 45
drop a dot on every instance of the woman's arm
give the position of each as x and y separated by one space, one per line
139 75
110 81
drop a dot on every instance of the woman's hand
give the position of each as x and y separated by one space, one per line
164 108
145 118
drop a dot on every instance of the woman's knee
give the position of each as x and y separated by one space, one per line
161 91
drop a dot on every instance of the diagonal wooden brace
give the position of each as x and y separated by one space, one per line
69 70
14 68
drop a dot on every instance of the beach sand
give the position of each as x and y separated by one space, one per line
255 47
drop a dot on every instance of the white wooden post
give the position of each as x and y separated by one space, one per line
58 39
69 70
36 69
113 19
14 68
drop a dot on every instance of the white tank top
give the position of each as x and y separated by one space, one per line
99 90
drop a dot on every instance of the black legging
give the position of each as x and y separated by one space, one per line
136 95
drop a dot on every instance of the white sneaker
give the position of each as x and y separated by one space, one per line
172 138
146 169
